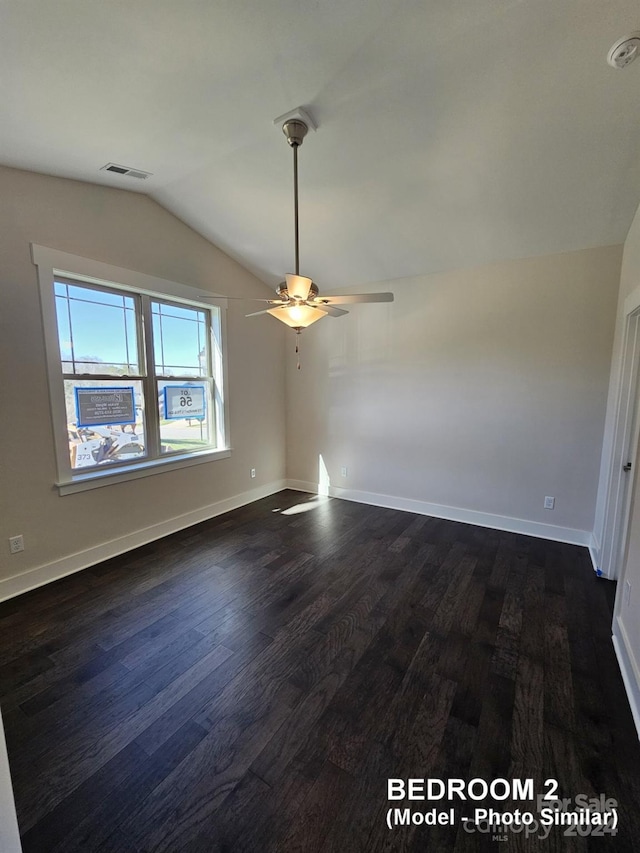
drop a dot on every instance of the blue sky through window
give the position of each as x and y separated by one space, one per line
179 340
96 326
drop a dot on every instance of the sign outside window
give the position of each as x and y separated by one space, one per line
104 406
184 401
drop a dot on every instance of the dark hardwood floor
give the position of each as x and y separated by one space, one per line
251 683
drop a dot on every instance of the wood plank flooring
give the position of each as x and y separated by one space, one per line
249 684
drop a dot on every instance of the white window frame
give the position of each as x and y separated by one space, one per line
52 263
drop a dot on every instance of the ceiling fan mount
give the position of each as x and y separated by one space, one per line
295 130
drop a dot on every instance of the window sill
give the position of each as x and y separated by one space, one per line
97 479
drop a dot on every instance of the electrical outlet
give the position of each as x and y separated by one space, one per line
253 473
16 544
549 502
627 592
344 471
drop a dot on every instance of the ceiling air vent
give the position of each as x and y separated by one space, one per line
125 170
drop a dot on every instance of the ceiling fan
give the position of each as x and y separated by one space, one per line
300 303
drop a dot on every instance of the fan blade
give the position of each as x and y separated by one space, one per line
257 299
333 312
353 297
256 313
246 299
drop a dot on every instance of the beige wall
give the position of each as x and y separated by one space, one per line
630 274
128 230
481 389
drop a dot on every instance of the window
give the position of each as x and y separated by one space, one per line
136 375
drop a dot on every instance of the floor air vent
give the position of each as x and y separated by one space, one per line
125 170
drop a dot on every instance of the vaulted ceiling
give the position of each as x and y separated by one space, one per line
450 132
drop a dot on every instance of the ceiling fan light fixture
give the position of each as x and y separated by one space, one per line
298 286
297 316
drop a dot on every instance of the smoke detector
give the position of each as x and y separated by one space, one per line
624 51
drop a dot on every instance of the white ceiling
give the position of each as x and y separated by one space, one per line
451 132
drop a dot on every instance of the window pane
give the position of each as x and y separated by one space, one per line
93 406
97 331
180 340
100 297
185 411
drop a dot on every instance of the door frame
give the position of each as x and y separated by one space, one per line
623 449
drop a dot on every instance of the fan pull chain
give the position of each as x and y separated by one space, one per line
298 347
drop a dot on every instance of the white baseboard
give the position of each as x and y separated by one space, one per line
468 516
10 587
628 669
